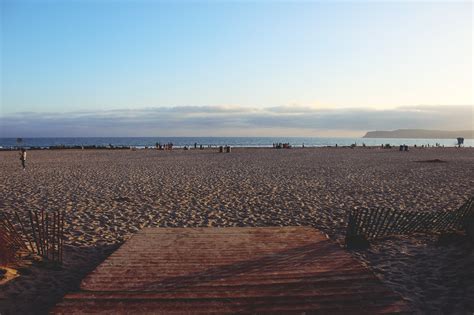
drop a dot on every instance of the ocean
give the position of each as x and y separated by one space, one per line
142 142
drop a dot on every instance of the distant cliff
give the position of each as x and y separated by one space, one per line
421 134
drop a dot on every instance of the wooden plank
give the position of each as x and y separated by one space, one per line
231 270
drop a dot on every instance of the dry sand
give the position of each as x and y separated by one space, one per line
109 195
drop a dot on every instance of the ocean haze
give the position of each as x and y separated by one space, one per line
234 121
421 134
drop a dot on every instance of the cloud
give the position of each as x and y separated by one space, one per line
234 121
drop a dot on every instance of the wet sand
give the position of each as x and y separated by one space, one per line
109 195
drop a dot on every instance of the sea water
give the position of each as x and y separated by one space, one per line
141 142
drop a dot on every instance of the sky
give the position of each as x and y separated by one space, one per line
240 68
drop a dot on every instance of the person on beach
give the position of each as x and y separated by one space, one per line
23 157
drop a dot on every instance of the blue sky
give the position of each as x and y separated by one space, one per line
102 57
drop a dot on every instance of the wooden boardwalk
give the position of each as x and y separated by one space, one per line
231 270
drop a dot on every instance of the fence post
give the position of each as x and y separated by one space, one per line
353 239
469 220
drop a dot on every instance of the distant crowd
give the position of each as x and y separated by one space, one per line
167 146
282 146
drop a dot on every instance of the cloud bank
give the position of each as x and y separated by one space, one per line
234 121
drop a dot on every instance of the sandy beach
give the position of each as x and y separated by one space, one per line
108 195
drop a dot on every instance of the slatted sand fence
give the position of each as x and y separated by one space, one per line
369 224
275 270
39 232
11 242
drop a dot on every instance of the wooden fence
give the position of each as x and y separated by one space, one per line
41 233
11 242
369 224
